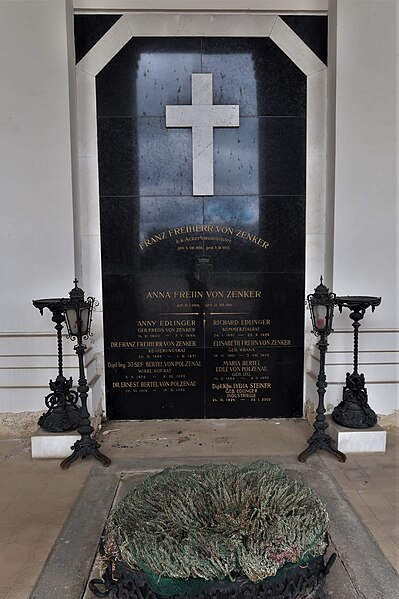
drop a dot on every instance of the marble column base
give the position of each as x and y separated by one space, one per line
52 445
354 440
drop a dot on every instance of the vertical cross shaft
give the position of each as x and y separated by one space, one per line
202 116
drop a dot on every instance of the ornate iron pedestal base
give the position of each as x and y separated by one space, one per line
63 414
354 410
86 445
320 440
60 420
81 449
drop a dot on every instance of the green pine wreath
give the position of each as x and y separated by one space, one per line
216 522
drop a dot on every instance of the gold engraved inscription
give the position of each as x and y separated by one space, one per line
226 230
189 294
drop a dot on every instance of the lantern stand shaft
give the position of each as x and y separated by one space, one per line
320 439
356 325
86 445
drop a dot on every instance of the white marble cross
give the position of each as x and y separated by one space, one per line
202 116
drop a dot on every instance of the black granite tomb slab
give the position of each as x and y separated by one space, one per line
264 156
239 67
235 233
176 266
151 296
265 383
168 333
146 75
141 385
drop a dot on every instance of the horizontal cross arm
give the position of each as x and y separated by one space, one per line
202 116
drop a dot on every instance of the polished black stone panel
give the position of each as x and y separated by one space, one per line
313 30
244 331
148 74
257 295
118 234
263 383
130 298
142 234
255 74
235 234
117 156
146 384
268 233
142 157
265 156
89 29
120 305
153 351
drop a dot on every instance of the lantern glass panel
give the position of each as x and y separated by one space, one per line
72 321
85 319
320 315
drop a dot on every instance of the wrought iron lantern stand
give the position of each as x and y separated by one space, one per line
62 414
321 305
354 410
78 314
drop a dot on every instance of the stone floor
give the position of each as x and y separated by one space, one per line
37 496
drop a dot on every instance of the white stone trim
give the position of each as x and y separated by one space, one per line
317 113
279 6
200 25
295 48
174 25
86 114
106 48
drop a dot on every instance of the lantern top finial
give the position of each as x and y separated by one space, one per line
76 292
321 289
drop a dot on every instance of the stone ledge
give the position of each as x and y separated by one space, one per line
355 440
52 445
